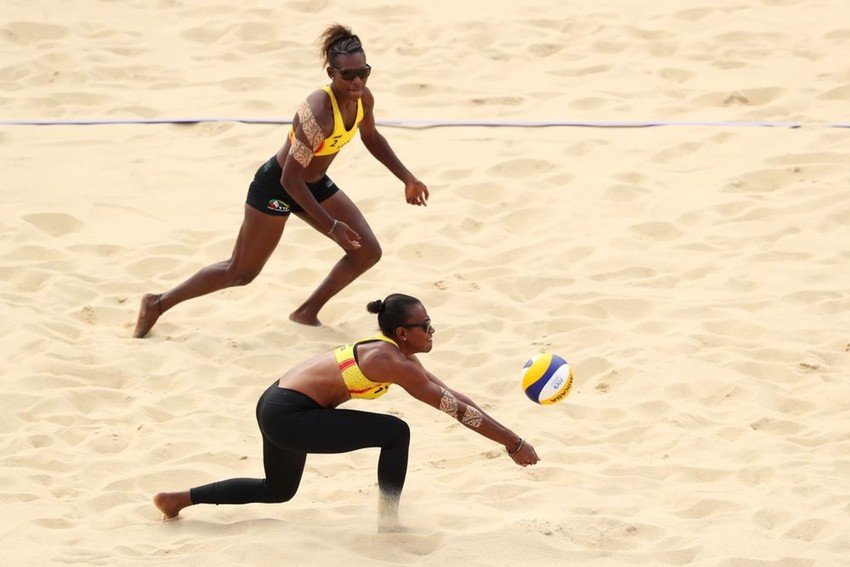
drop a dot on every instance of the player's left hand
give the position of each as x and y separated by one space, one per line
416 193
525 456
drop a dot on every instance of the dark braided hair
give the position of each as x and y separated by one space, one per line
338 40
392 311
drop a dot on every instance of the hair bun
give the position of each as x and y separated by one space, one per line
376 306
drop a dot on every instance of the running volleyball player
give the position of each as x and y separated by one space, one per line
295 181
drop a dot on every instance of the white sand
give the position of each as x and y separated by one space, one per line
697 278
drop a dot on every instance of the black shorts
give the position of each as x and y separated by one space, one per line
268 196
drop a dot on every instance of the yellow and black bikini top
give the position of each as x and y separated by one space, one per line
340 136
358 385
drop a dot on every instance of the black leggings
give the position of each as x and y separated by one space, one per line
293 425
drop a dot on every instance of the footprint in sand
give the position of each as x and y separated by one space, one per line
30 33
657 231
521 168
457 283
763 181
55 224
676 75
841 93
540 50
497 101
625 193
693 14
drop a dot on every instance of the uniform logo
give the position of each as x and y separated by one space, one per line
278 205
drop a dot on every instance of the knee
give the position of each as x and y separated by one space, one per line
276 494
376 254
240 276
368 254
399 431
245 279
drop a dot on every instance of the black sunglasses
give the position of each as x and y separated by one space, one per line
424 325
349 74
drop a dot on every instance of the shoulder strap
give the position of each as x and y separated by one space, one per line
378 337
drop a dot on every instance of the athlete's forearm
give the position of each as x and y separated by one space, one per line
381 151
488 427
469 401
299 191
467 413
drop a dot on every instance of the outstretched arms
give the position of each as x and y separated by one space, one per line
431 390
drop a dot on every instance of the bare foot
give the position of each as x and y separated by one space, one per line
170 503
301 316
149 312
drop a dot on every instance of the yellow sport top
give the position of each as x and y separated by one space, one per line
358 385
340 136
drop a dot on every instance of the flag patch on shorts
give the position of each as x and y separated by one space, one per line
278 205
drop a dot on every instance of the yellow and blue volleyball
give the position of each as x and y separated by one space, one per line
547 379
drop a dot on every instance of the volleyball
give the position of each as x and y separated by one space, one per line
547 379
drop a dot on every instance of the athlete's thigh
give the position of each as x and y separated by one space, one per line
258 237
343 430
341 207
282 466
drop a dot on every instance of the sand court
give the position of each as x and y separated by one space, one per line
695 274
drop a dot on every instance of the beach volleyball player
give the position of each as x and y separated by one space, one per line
298 415
295 181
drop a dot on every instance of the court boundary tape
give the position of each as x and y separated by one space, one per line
431 123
